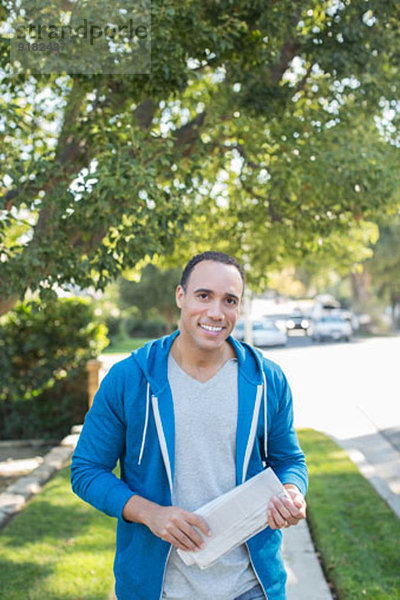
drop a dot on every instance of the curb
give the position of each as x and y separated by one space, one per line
379 461
15 497
23 443
305 574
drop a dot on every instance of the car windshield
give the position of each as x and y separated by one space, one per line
332 319
269 325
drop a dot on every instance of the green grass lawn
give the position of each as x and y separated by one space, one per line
57 548
356 533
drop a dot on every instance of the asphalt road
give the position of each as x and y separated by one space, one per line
344 389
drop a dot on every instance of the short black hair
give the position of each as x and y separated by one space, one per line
210 255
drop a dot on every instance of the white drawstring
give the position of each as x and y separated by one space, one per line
253 431
265 415
146 420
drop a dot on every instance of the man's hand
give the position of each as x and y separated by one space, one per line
176 526
170 523
284 512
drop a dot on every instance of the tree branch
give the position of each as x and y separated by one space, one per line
144 113
70 150
289 51
242 152
303 81
273 215
187 135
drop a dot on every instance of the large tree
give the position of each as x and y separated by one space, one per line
254 129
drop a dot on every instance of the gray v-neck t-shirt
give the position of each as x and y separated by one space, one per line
205 451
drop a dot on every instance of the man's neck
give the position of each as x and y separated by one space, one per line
201 365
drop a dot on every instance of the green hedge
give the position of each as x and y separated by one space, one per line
138 327
44 348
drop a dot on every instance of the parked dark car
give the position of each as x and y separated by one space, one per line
298 322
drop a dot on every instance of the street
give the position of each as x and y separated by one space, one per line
344 389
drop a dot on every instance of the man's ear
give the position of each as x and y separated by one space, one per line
180 292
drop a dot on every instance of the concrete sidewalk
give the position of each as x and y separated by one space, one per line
37 471
377 455
306 580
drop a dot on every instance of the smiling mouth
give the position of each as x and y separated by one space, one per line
211 328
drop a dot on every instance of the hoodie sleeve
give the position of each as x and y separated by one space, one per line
100 445
284 453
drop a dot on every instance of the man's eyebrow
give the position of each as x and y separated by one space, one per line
229 295
233 296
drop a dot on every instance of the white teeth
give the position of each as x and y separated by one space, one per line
210 328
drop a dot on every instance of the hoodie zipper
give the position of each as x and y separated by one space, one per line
255 572
165 569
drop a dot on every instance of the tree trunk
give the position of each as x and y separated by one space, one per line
360 285
169 319
395 305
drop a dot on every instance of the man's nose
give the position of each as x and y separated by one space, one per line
215 310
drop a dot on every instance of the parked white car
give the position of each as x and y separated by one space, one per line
331 327
265 333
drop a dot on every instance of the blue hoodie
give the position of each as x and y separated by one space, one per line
132 419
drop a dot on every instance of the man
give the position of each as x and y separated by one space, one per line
190 416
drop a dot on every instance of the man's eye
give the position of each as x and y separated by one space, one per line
231 301
203 296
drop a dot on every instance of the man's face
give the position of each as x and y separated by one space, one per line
210 305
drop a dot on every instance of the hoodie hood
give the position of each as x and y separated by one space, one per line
151 360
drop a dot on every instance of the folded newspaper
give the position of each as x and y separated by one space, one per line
234 517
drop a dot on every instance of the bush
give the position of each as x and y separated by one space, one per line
44 349
49 415
152 328
113 325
